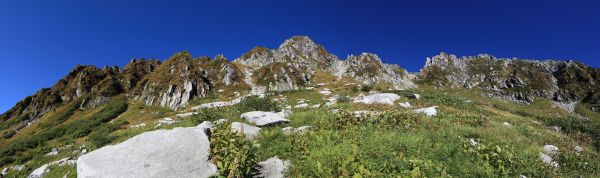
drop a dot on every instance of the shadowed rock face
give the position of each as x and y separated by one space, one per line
514 79
170 84
82 81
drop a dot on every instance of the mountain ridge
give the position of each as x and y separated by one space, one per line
289 67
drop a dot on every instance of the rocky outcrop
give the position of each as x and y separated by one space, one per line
281 77
295 62
379 98
136 70
81 81
368 69
261 118
181 152
181 78
514 79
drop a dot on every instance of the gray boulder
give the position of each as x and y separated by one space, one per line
380 98
181 152
248 130
261 118
273 168
430 111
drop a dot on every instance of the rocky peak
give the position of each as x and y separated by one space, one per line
80 81
257 57
136 70
302 51
368 69
182 78
518 80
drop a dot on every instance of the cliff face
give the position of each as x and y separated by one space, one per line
514 79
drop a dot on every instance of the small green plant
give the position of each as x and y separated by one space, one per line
448 100
234 155
502 158
366 88
207 114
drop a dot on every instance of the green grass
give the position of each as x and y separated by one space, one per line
396 143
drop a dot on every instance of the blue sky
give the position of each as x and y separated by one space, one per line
41 41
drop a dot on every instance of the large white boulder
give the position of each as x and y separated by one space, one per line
248 130
273 168
379 98
430 111
181 152
261 118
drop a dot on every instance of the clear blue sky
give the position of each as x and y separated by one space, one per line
41 41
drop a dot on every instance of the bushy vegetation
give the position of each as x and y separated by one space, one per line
102 136
75 129
233 154
256 103
207 114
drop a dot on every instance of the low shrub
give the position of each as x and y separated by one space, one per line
448 100
503 158
207 114
234 155
256 103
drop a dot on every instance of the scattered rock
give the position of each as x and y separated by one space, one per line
548 160
17 167
330 101
54 152
285 112
248 130
569 107
184 115
138 125
415 96
365 113
301 106
4 171
44 169
430 111
325 92
165 121
554 128
315 106
472 142
261 118
506 124
550 150
578 150
380 98
299 130
273 168
213 105
180 152
221 121
405 105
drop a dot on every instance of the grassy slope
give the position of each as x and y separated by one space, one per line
399 144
